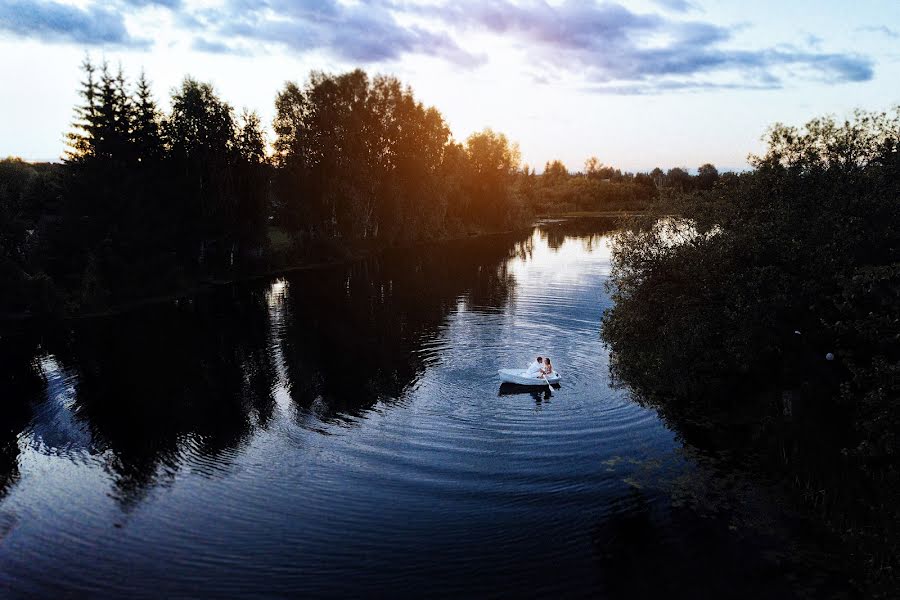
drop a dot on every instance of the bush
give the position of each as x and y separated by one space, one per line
755 285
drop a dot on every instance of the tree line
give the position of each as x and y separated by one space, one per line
147 202
604 188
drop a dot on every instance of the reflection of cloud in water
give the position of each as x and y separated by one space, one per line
55 428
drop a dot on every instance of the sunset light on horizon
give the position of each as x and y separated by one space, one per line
638 84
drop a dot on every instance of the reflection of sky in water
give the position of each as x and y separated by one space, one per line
55 429
443 477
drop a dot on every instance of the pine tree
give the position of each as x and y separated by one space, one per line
146 131
125 116
113 140
82 140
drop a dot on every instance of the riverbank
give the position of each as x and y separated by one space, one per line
785 279
593 214
241 423
275 265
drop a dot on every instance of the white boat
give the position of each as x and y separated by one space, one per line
520 377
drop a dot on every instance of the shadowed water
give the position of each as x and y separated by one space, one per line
343 432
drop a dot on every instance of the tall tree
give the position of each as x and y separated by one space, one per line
113 136
146 131
707 176
494 161
555 173
202 137
82 139
251 182
679 179
359 157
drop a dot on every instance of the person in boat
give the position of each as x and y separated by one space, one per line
536 368
547 369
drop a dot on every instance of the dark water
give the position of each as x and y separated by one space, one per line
342 432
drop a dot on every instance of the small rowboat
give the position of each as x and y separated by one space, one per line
520 377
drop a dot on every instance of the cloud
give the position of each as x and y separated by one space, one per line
883 29
170 4
214 47
617 49
361 33
55 22
606 45
676 5
646 89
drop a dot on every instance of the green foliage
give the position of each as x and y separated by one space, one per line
492 163
707 176
147 203
598 188
361 159
555 173
757 280
603 188
27 192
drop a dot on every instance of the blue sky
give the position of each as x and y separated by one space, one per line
638 84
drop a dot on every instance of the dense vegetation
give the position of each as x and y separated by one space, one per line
768 311
601 188
147 203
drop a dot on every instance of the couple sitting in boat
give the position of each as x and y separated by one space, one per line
541 368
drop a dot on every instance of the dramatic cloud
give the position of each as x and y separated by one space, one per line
56 22
365 32
625 52
611 48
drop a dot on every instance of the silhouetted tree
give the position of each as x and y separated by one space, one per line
151 202
707 176
146 132
82 140
201 134
679 179
787 277
252 183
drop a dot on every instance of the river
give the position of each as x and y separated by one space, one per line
342 432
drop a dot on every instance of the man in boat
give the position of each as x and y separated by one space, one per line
536 368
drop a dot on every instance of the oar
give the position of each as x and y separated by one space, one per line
549 387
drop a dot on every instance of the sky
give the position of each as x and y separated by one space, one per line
638 84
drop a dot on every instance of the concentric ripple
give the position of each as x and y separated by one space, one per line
286 471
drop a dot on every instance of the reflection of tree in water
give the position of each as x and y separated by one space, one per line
524 249
197 378
353 335
698 529
20 385
588 231
156 383
642 551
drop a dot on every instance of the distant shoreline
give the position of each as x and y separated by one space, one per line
28 320
592 214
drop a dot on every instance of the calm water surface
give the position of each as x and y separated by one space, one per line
343 432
